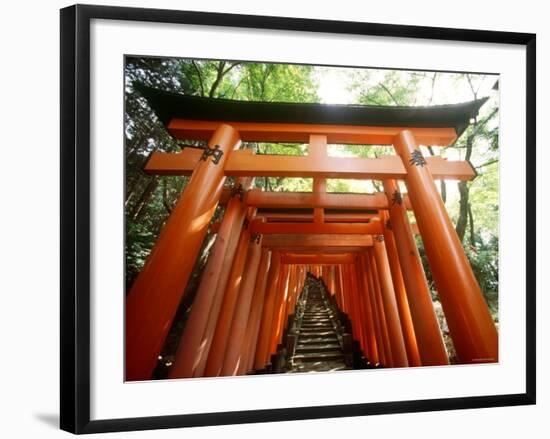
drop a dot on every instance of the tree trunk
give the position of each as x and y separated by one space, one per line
472 229
139 208
464 191
462 221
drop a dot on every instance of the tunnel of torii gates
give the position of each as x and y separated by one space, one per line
362 246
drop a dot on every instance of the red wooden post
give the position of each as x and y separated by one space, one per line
154 298
318 151
262 350
357 308
426 327
216 354
384 336
401 295
205 310
253 325
470 323
398 350
278 318
369 313
237 333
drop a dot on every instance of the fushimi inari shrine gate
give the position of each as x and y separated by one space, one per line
270 244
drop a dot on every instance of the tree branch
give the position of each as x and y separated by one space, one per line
165 201
433 87
201 84
389 93
490 162
230 67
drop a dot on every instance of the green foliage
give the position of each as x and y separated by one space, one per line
139 242
149 200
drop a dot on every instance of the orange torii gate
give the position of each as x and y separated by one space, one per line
361 245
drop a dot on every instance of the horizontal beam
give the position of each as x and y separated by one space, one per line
274 217
289 241
372 228
318 259
309 200
290 132
242 163
382 168
316 241
328 250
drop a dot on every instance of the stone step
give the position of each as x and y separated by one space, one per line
307 332
316 347
324 366
320 326
312 339
319 356
317 327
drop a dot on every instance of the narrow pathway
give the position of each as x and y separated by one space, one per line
317 348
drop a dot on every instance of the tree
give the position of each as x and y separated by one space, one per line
149 199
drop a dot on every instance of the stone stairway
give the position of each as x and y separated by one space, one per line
318 348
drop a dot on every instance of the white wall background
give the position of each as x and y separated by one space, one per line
29 201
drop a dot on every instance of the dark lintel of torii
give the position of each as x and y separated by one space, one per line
432 125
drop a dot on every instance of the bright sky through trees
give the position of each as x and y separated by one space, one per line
340 85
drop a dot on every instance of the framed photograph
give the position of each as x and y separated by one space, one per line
268 219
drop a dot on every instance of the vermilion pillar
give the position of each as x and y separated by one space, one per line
237 333
347 305
368 311
154 298
400 294
216 354
471 326
205 310
279 314
338 286
358 308
264 337
318 150
399 352
253 325
384 334
428 334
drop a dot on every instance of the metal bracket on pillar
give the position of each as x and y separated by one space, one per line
237 190
417 159
397 198
256 237
215 152
379 238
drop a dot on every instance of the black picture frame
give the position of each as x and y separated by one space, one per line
75 217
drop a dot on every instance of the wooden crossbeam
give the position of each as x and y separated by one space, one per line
356 241
277 217
318 259
243 163
338 134
308 200
316 241
372 228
